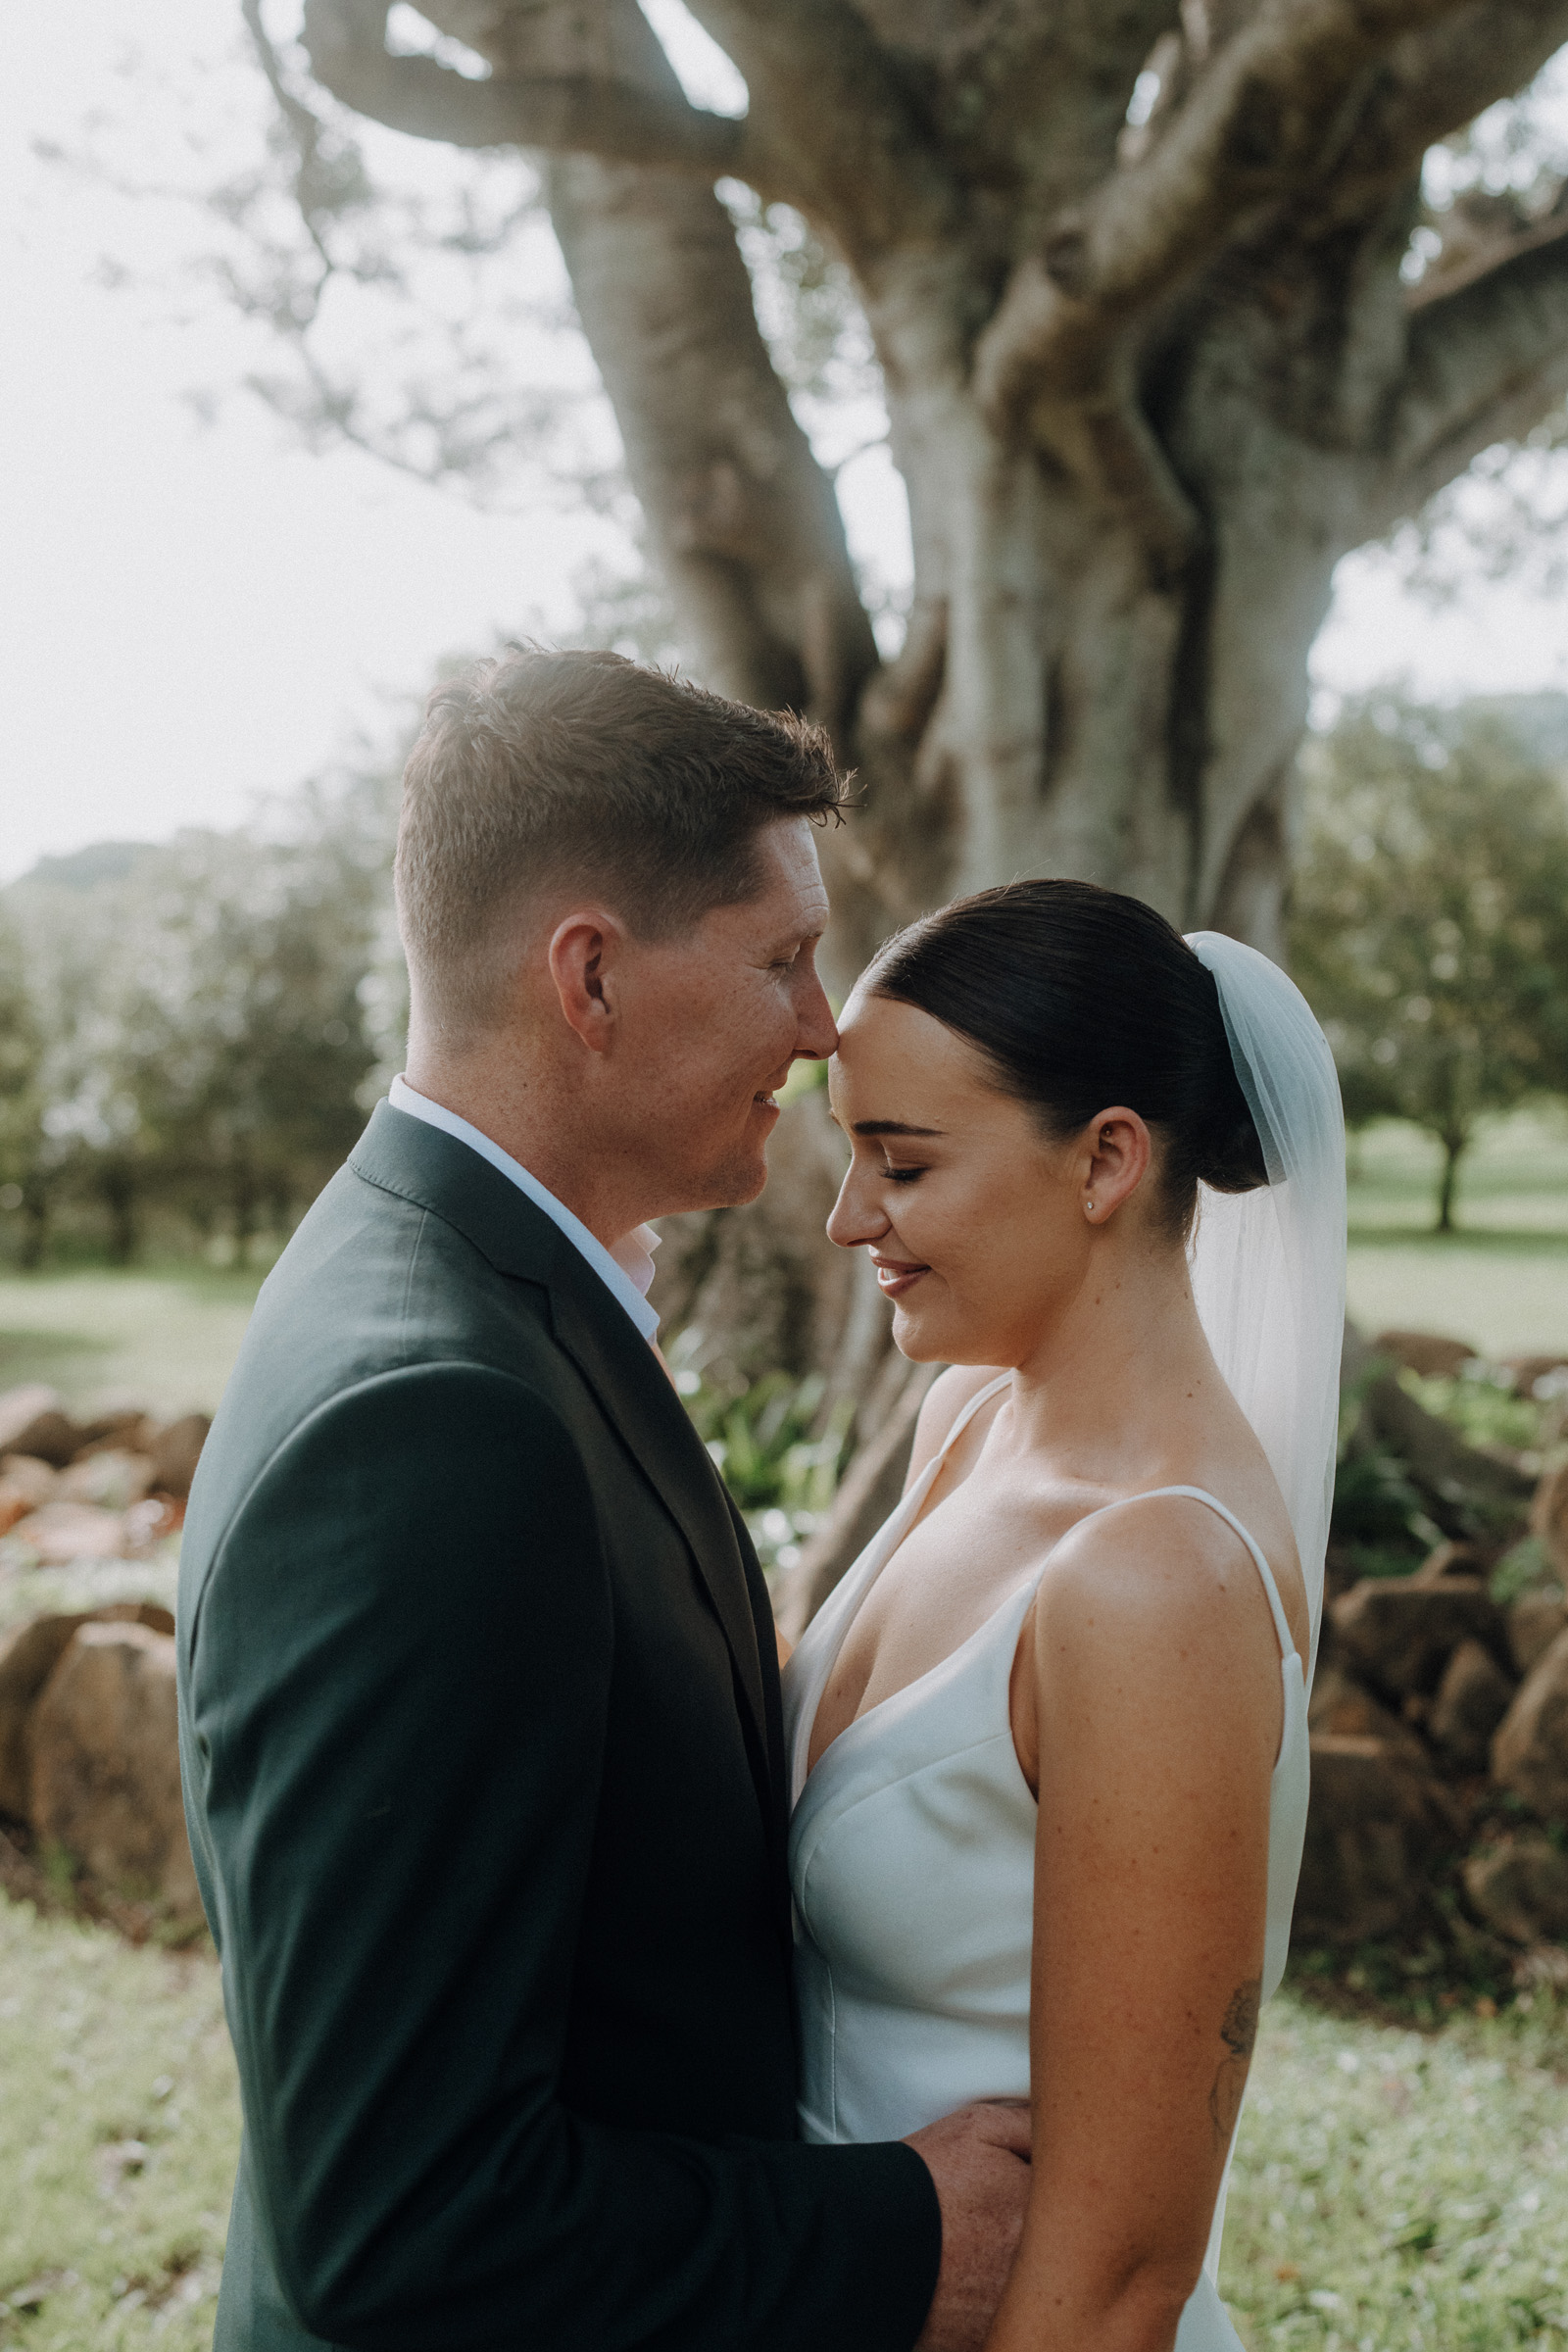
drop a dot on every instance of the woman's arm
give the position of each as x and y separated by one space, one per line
1157 1685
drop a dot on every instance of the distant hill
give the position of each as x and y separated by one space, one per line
84 869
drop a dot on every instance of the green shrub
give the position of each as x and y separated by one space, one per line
779 1447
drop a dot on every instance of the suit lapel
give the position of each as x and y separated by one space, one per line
624 1374
422 1163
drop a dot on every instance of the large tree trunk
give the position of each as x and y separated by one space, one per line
1069 701
1146 384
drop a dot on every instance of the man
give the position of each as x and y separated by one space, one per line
479 1700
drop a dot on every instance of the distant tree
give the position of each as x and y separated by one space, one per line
1430 919
199 1020
241 1037
23 1186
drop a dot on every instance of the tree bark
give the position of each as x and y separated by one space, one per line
35 1214
1145 389
118 1190
1454 1150
1146 385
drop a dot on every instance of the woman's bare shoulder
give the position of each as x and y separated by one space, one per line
946 1399
1160 1580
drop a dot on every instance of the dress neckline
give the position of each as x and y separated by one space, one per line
895 1532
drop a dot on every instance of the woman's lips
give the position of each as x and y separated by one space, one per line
897 1275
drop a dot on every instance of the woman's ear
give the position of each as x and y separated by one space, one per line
1117 1151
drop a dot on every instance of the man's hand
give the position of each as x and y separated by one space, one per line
979 2160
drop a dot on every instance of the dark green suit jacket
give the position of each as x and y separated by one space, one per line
484 1772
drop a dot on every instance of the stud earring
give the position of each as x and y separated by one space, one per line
1089 1209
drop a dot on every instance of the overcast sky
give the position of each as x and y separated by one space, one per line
196 616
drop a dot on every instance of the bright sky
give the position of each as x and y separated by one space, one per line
195 615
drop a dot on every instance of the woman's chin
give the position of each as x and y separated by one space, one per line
916 1336
931 1338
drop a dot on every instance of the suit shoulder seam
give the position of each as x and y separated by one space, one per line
408 1286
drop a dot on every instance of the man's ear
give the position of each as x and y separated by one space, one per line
585 952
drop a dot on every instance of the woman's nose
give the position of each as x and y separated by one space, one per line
858 1216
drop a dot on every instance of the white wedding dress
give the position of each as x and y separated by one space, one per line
913 1863
913 1843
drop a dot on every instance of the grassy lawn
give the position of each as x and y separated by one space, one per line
165 1338
1501 1281
169 1335
118 2124
1394 2191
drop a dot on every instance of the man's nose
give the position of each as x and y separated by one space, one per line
816 1032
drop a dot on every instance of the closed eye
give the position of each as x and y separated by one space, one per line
902 1175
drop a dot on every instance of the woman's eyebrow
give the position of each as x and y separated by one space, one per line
891 1127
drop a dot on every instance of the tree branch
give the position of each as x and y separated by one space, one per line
1488 360
1267 116
1434 82
843 129
744 521
346 42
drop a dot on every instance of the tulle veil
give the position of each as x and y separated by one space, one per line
1268 1266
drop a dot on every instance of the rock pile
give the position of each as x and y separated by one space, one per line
1440 1723
101 1490
90 1753
89 1757
1439 1717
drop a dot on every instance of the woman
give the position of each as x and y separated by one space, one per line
1050 1733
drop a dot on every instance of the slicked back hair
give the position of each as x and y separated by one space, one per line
585 771
1079 997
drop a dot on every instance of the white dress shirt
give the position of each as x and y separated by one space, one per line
626 1273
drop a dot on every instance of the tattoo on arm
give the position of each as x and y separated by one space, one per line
1238 2032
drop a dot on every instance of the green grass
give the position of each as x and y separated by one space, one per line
1393 2190
99 2045
1396 2192
167 1339
1502 1280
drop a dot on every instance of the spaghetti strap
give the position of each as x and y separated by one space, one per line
981 1396
1282 1624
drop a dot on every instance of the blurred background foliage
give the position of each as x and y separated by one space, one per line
1430 910
192 1034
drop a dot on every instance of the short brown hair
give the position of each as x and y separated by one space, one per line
587 769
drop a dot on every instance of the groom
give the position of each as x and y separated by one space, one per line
479 1707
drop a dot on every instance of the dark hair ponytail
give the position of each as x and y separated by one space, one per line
1080 997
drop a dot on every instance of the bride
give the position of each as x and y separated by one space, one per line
1050 1733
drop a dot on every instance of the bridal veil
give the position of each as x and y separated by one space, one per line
1268 1266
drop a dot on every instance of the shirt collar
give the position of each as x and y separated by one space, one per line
626 1271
